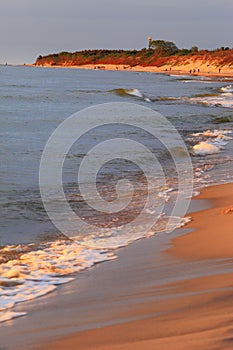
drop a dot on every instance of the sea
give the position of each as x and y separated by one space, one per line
35 256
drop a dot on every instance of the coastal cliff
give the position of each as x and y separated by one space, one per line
219 60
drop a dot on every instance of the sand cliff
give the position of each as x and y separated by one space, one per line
217 61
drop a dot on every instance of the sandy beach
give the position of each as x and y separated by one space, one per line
191 313
198 69
166 292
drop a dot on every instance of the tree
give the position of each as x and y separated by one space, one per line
194 49
164 48
183 52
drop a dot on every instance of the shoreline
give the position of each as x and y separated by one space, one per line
153 296
196 312
204 70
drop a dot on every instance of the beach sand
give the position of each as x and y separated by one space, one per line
205 69
191 313
171 291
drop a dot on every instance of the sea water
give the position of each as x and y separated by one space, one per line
34 256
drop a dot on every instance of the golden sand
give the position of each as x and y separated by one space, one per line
198 68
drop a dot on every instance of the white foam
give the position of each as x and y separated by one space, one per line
137 93
228 88
37 273
224 99
172 223
134 92
9 315
205 148
210 142
196 193
215 133
197 81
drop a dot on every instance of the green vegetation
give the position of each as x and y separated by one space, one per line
163 48
194 49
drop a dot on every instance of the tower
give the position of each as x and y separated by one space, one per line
149 41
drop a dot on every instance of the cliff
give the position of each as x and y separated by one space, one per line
219 59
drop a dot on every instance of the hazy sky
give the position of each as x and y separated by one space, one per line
29 28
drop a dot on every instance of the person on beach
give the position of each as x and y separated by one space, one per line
219 70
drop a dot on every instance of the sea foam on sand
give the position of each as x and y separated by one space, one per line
36 273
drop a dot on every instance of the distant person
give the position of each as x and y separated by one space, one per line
190 71
198 70
219 70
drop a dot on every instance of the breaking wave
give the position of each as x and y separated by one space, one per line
131 92
222 99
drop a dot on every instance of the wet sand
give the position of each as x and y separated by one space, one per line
171 291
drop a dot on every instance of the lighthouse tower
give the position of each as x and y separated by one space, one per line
149 42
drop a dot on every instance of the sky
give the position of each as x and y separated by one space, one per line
29 28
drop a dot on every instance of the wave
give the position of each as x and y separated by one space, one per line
225 119
208 99
206 95
222 97
131 92
210 142
228 88
221 100
16 85
204 81
216 133
165 98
